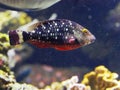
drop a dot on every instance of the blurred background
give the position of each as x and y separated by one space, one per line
45 65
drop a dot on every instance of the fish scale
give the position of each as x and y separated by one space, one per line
53 34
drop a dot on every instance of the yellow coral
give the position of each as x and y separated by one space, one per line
10 20
4 42
101 79
4 76
17 86
3 57
55 86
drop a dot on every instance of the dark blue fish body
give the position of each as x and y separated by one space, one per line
60 34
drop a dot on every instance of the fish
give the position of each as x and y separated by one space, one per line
27 5
61 34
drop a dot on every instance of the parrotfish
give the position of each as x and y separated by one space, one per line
27 4
60 34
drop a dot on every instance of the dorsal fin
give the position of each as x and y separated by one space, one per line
30 26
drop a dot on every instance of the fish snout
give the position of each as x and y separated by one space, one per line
92 39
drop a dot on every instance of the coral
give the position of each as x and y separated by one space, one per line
4 63
101 79
6 75
6 48
42 75
70 84
10 20
17 86
7 78
8 81
4 43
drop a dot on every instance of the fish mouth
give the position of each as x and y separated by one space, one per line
91 39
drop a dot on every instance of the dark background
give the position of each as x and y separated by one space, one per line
93 15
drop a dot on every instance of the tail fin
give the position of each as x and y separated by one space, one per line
17 37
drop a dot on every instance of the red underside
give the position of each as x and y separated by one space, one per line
58 47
